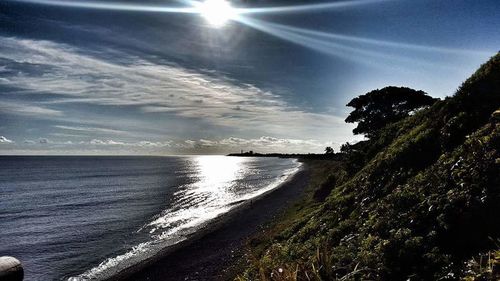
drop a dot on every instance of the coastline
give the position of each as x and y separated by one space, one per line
207 253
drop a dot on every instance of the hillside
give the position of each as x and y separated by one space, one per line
420 201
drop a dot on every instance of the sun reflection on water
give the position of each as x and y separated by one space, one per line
208 197
221 183
215 171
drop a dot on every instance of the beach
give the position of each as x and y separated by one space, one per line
211 254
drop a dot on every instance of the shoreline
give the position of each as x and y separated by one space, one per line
208 252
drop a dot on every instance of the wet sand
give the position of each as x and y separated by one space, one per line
207 256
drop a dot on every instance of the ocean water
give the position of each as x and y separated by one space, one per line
86 218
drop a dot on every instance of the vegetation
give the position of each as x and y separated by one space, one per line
419 200
378 108
329 150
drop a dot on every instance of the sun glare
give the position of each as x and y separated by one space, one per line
217 12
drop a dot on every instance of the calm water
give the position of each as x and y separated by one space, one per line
87 217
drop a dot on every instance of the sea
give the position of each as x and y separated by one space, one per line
88 218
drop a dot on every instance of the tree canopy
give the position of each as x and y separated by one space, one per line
329 150
380 107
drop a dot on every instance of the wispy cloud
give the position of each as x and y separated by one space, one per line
118 80
91 129
23 109
113 101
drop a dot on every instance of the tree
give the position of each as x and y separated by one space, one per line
346 147
378 108
329 150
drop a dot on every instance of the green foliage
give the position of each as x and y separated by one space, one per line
376 109
325 188
420 201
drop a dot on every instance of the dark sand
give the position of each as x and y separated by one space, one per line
207 257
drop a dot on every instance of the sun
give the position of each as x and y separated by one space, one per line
216 12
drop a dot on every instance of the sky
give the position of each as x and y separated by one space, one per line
169 77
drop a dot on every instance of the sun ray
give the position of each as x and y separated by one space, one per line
377 42
341 50
218 12
192 6
115 6
307 7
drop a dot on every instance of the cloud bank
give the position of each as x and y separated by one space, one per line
5 140
263 144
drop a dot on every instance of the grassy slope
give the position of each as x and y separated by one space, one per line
424 202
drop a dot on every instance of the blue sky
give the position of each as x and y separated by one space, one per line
84 80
